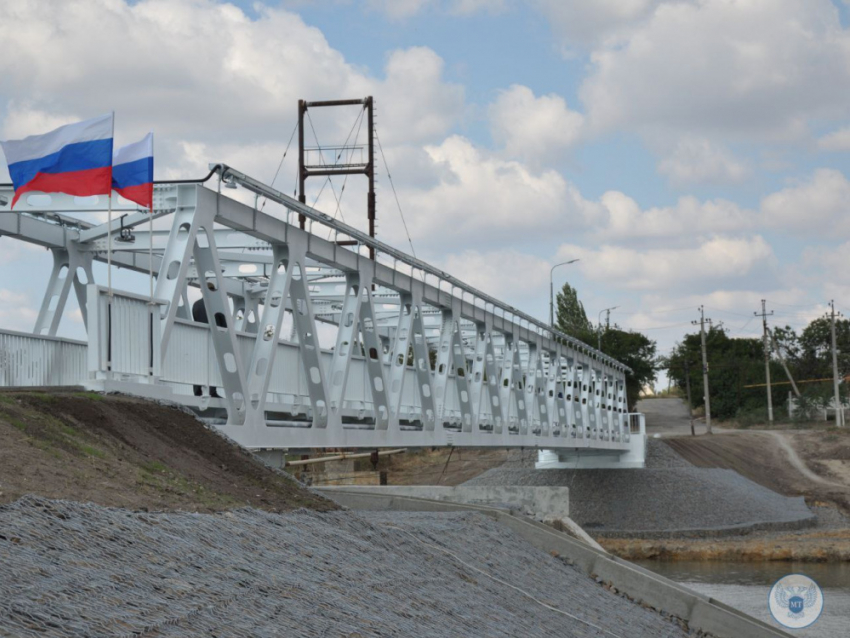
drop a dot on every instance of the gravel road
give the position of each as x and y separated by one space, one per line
72 569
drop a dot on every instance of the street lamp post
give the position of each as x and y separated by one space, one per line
599 323
552 291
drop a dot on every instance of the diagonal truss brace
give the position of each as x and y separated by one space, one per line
345 343
422 364
260 368
399 356
221 326
66 265
374 356
536 390
304 326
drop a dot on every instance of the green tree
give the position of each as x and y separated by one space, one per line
630 348
732 365
570 315
635 350
815 349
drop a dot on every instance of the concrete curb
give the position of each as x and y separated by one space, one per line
700 612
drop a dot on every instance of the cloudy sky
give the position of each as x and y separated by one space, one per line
687 151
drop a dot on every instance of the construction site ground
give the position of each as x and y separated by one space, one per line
124 517
811 460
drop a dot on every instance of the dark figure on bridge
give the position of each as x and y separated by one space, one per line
199 314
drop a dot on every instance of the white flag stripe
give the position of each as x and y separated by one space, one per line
135 151
37 146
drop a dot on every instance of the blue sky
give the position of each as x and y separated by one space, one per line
688 151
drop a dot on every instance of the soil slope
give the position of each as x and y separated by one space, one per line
125 452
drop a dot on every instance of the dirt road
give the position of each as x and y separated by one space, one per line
814 463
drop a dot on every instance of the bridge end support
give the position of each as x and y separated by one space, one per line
595 458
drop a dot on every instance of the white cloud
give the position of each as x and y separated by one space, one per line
836 141
16 311
417 105
201 72
470 7
399 9
816 206
758 69
480 197
709 264
536 129
403 9
619 217
505 274
699 161
581 23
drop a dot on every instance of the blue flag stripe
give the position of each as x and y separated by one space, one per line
80 156
133 173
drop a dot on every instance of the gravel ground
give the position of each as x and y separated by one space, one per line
659 455
72 569
666 500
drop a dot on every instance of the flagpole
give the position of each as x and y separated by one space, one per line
109 264
150 244
109 223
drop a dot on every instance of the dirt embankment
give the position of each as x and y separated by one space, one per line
813 464
130 453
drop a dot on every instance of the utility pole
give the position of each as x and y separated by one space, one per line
702 322
778 351
599 324
690 405
764 315
839 410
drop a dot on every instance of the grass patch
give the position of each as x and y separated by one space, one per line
151 476
92 396
7 400
67 430
43 396
90 450
18 424
45 446
154 467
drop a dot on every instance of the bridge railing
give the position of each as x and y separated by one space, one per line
28 360
124 335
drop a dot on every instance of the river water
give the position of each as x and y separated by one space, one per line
745 586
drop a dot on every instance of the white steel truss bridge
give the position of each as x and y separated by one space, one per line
420 359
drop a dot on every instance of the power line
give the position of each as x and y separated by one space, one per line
675 325
727 312
790 305
395 194
280 165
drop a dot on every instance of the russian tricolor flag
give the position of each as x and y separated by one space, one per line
75 159
132 172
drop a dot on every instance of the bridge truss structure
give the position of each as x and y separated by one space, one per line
419 357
